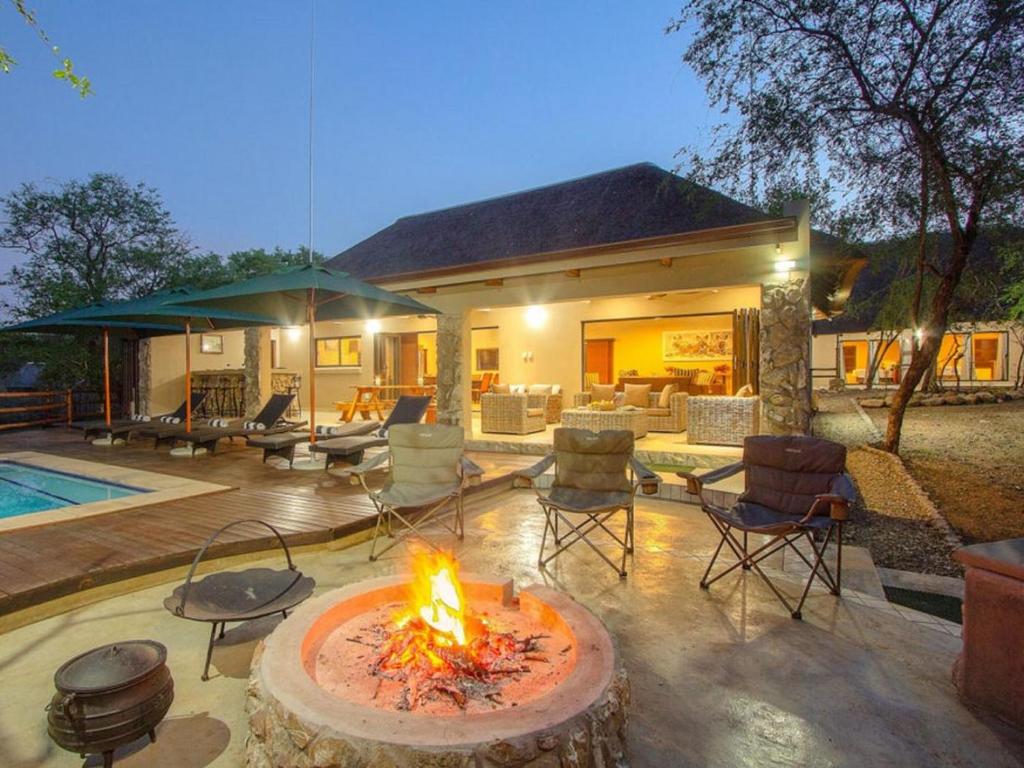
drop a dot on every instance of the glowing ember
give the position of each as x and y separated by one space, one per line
436 646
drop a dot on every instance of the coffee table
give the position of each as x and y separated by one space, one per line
595 421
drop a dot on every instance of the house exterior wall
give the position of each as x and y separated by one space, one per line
166 372
828 364
698 277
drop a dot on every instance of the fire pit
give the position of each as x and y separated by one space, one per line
435 670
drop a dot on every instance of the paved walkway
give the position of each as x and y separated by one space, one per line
719 678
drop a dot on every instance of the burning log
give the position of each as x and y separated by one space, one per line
436 648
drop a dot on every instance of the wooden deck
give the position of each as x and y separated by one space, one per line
51 561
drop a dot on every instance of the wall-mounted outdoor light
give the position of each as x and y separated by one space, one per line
536 316
294 333
373 326
785 265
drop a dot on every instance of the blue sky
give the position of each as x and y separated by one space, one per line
418 106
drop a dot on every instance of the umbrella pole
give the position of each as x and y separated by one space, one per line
188 375
311 318
106 375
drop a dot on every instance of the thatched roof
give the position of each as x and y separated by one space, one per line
632 203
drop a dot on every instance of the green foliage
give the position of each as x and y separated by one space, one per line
66 70
88 241
98 240
1012 258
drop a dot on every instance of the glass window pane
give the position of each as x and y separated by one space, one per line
327 352
988 352
951 362
351 350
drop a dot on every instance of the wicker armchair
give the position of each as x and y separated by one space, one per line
671 419
513 414
722 420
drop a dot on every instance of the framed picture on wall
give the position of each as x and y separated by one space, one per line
487 359
211 344
696 345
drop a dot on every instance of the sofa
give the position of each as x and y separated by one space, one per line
513 414
659 417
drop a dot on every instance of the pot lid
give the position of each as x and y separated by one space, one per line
110 667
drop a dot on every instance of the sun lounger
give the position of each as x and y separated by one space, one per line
407 410
268 421
96 427
283 443
162 432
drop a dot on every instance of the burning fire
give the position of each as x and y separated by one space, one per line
437 597
435 619
436 645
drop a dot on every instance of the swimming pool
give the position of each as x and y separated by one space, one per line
25 489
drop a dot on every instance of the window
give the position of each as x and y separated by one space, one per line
855 361
988 351
951 362
339 352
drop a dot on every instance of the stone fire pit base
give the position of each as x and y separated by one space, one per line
294 724
596 739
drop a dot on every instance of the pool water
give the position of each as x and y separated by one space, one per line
25 489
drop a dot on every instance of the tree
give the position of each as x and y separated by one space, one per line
97 240
211 269
1012 255
913 108
66 70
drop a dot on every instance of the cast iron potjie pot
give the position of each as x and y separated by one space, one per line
109 696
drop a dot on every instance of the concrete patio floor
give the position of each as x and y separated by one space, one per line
719 678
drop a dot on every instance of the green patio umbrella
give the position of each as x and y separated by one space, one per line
306 294
158 309
77 319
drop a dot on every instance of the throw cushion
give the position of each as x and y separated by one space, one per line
665 398
638 395
745 391
556 389
501 389
540 389
602 392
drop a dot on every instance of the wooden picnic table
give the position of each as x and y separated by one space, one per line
368 399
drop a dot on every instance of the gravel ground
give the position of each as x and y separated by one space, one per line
968 458
889 519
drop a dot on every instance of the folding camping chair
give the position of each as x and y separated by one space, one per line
796 489
427 477
596 476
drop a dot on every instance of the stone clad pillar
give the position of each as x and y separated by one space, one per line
453 372
255 371
145 375
785 381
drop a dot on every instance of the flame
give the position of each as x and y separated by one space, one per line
435 618
437 596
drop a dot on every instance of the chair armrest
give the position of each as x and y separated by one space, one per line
646 479
843 486
471 471
356 474
708 478
532 473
